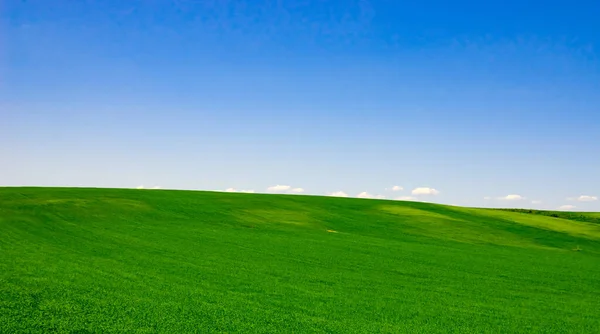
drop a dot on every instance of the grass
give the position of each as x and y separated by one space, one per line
588 217
147 261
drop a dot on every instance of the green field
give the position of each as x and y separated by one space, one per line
147 261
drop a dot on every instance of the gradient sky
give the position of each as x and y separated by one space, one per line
473 99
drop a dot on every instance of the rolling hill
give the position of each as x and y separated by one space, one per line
122 260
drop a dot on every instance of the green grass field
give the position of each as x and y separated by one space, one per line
147 261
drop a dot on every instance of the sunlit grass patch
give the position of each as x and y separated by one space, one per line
575 228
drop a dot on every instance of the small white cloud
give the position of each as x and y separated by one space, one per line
512 198
397 188
233 190
584 198
406 198
279 188
338 194
425 191
567 207
536 202
285 189
365 194
487 198
142 187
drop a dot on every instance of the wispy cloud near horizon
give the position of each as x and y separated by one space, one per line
584 198
425 191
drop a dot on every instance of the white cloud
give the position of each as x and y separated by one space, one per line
233 190
397 188
512 198
536 202
279 188
338 194
487 198
142 187
285 189
425 191
406 198
365 194
584 198
567 207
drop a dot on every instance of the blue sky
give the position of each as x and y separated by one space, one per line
475 100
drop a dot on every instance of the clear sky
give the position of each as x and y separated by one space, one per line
476 100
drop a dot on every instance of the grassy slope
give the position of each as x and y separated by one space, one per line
589 217
90 260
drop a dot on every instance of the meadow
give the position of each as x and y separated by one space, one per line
75 260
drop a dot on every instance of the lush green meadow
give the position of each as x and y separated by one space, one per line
146 261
